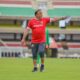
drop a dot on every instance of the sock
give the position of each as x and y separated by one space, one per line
42 65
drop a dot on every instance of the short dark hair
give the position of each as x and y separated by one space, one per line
37 11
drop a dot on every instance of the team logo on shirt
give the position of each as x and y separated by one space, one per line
39 25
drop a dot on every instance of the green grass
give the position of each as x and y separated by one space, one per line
55 69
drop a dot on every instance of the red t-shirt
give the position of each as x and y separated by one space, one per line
38 28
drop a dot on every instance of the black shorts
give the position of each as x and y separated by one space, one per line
38 48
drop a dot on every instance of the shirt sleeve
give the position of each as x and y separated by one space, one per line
47 20
30 24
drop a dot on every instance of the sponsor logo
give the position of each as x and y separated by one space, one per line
39 25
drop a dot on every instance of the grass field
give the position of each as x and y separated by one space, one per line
55 69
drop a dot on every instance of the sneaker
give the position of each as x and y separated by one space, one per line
34 70
42 68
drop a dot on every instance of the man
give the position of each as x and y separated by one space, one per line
38 27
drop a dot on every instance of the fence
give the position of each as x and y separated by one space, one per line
11 51
71 53
24 52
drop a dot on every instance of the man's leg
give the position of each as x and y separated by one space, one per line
41 51
34 53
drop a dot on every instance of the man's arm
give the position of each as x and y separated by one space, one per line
25 33
57 19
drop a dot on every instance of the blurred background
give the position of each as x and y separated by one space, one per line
64 35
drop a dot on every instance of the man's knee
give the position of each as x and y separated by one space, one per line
41 54
35 57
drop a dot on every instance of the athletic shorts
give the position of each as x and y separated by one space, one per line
38 48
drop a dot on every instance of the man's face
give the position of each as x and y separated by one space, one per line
39 15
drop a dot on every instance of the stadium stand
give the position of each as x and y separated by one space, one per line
16 11
16 8
64 12
65 0
68 3
64 8
13 3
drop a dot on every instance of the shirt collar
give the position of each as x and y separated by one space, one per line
37 19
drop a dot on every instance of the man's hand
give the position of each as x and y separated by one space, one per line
64 18
61 18
47 46
23 42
